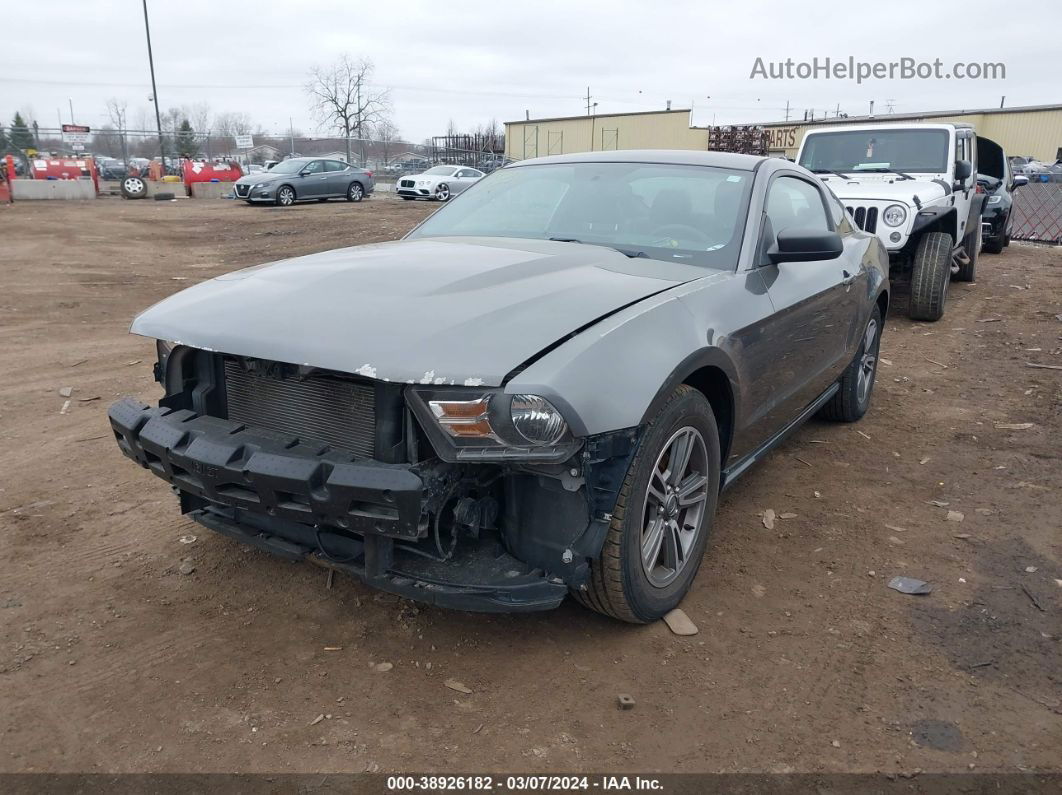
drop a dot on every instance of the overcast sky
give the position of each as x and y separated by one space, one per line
471 61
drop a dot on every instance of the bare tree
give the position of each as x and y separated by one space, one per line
117 112
386 134
342 99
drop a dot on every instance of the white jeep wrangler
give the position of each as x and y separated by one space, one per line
915 187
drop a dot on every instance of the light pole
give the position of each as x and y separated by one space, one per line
154 91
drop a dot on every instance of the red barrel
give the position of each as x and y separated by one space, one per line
196 171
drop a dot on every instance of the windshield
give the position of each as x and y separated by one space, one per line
289 167
444 171
691 214
877 150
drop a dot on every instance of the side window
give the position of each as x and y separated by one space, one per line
335 165
794 203
316 167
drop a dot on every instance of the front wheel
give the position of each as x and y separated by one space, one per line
442 193
286 196
930 275
852 399
663 515
355 193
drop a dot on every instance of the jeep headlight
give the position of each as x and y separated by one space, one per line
995 199
465 424
894 215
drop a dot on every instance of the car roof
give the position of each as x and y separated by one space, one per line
681 157
898 125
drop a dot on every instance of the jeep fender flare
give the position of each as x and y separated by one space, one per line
935 219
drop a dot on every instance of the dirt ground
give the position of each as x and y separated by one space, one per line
112 659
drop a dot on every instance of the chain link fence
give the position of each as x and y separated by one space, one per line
1037 213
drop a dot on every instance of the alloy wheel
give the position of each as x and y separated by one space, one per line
673 510
134 184
868 363
442 193
286 196
355 192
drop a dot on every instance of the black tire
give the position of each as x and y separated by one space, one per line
619 586
993 246
164 197
133 188
285 196
852 400
972 246
442 192
355 192
930 275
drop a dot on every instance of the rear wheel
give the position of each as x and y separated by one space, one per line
663 515
857 383
930 275
968 270
355 193
285 196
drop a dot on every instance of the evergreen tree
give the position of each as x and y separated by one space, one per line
20 135
186 141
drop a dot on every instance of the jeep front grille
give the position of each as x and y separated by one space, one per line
866 218
321 408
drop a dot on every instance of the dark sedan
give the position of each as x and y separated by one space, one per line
305 179
541 390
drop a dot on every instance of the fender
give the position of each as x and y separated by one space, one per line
706 357
930 216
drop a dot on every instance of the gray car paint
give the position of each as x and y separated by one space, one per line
468 311
312 186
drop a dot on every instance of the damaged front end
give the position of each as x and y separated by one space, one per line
465 497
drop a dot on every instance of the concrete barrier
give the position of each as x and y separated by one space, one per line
210 190
34 189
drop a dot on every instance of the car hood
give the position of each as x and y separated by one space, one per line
434 310
885 187
261 176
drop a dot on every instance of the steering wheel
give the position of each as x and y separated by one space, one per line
684 230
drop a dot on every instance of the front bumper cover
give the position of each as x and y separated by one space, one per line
307 501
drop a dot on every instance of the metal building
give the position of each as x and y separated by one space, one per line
1034 130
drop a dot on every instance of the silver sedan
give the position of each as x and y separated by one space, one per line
439 183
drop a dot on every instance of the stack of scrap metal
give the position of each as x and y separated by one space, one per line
743 139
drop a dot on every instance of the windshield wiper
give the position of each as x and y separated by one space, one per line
627 252
887 171
829 171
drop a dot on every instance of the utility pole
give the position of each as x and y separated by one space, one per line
291 133
888 105
787 110
837 112
871 107
71 101
1002 99
154 90
588 100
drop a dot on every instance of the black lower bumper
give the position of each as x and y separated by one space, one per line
307 501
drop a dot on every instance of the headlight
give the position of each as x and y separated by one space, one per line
995 199
894 215
488 425
537 420
260 185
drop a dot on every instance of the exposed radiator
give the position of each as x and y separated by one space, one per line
338 412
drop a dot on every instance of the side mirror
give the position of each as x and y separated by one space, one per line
1019 180
805 245
963 170
304 173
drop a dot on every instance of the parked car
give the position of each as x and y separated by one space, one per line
1027 165
914 186
305 179
112 169
996 180
439 183
542 388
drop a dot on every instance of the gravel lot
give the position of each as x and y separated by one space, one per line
114 660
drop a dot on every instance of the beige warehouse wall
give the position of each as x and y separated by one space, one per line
664 130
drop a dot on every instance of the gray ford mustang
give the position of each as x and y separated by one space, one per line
541 390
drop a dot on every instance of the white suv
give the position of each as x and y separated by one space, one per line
915 187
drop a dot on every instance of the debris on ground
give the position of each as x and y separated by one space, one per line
1031 569
384 667
768 518
625 701
453 684
186 567
1033 599
1014 426
187 539
759 591
938 503
66 391
317 720
679 623
910 585
787 515
955 516
65 408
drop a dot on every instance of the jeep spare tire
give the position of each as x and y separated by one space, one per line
133 188
930 275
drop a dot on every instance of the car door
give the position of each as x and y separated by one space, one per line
464 178
808 334
313 182
338 177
